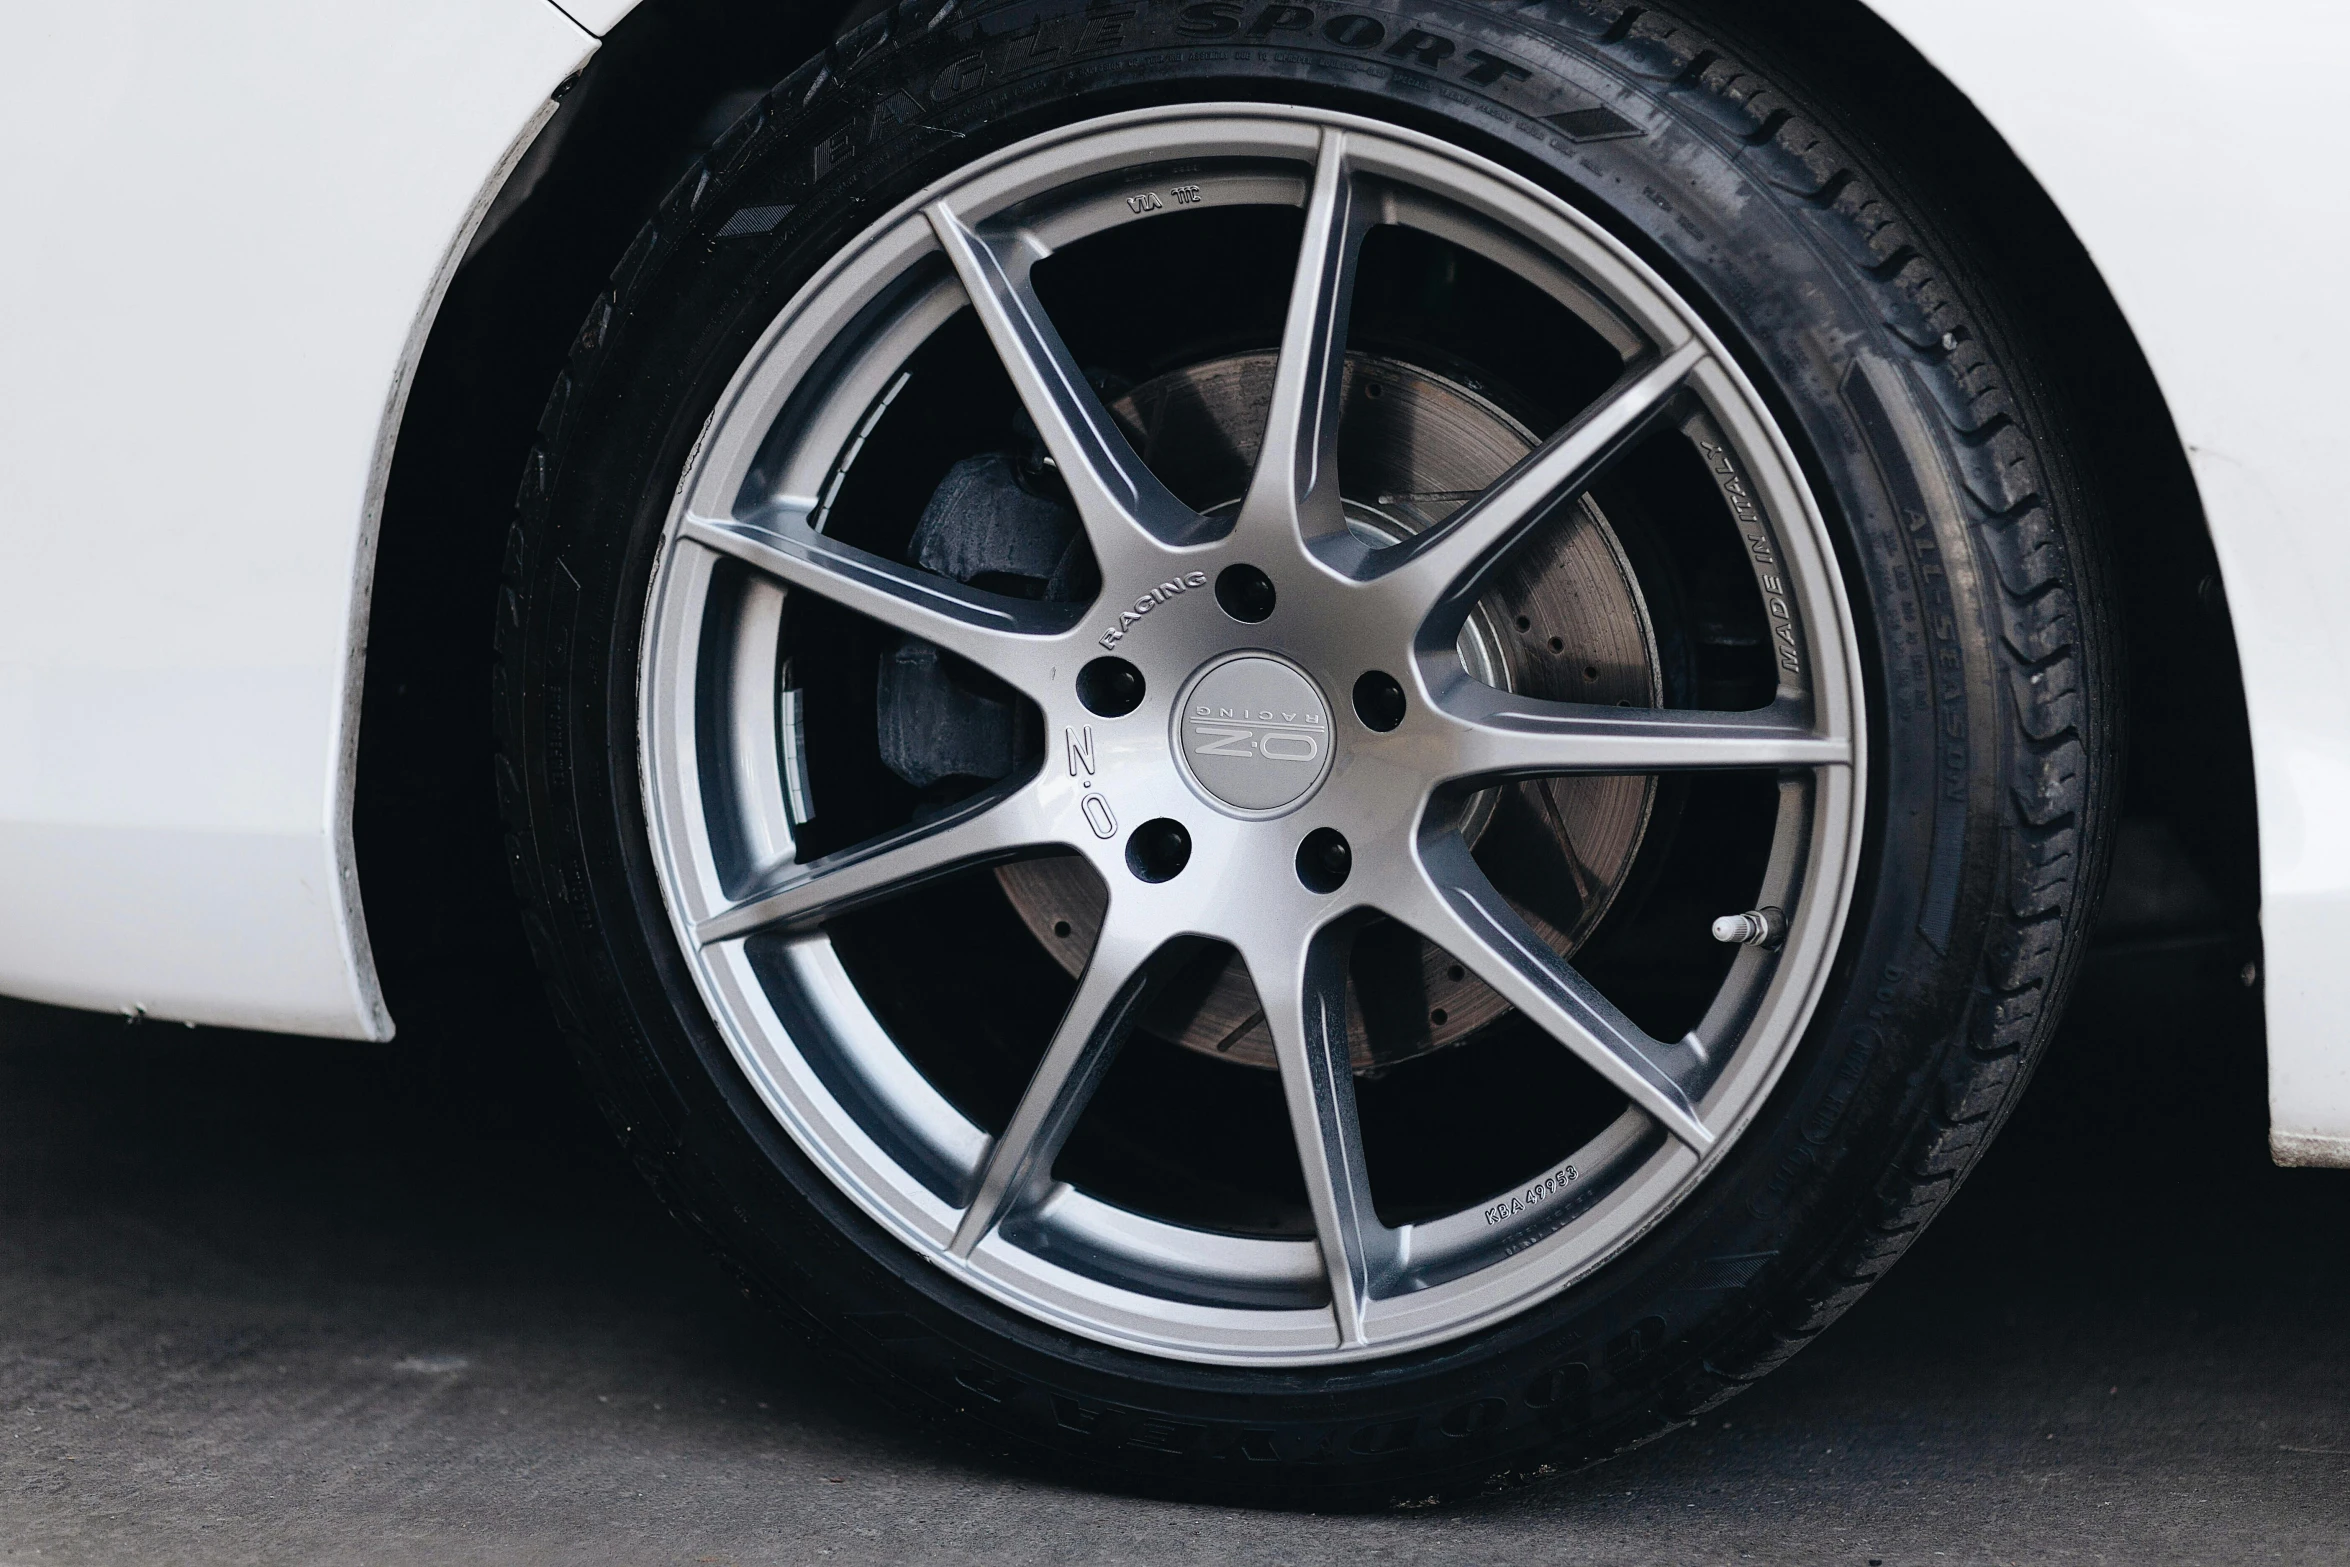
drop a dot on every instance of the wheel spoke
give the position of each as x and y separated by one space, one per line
1303 993
1129 517
1498 735
1294 492
1438 574
994 827
999 634
1460 911
1110 995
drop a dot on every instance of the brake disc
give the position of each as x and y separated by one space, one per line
1566 620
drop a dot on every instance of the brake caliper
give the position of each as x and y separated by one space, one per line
994 524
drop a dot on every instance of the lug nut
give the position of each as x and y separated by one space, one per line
1756 928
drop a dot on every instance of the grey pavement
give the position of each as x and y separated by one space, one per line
268 1300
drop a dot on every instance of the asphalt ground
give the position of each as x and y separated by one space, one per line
271 1300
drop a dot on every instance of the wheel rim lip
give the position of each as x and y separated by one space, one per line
1653 1174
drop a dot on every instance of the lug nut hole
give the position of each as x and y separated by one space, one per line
1158 850
1245 592
1379 701
1324 859
1110 687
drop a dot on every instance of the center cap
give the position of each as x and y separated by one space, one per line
1254 733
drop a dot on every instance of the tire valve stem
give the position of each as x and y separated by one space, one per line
1756 928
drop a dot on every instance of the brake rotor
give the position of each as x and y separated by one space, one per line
1564 620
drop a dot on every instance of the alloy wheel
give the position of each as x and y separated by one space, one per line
1283 718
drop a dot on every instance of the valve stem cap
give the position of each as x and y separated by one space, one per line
1756 928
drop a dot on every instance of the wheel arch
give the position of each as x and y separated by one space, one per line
426 840
2189 748
1939 95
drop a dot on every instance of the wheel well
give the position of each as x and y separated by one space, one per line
447 939
2186 865
446 935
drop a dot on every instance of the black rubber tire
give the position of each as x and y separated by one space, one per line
1968 549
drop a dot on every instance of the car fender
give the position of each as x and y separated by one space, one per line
229 225
2208 194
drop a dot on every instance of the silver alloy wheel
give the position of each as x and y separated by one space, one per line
747 532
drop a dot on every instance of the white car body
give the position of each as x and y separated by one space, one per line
232 223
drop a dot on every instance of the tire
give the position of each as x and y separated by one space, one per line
1954 528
